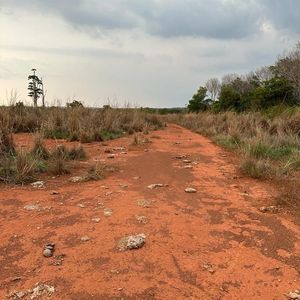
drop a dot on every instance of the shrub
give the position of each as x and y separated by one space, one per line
77 153
39 149
255 168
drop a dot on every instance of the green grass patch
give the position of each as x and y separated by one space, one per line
227 141
110 135
57 133
263 151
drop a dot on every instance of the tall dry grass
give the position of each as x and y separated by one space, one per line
74 124
268 145
79 123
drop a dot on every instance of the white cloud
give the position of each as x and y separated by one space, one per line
154 53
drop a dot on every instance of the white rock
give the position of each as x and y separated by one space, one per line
190 190
42 289
132 242
155 185
76 179
31 207
295 295
187 161
38 184
107 212
85 238
96 220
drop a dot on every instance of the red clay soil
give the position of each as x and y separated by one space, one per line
213 244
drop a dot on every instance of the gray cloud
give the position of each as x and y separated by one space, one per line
284 14
221 19
165 18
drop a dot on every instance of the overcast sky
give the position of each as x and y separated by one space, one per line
150 53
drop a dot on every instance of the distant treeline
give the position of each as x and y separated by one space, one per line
276 85
164 111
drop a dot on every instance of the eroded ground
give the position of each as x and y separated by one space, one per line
213 244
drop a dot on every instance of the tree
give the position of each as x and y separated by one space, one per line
213 87
229 99
276 91
229 78
36 88
198 101
74 104
289 68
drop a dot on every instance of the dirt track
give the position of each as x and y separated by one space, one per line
214 244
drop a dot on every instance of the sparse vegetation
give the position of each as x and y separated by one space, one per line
73 123
268 142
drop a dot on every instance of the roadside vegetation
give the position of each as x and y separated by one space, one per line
71 123
257 115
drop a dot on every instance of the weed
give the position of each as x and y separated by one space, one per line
77 153
58 166
255 168
39 149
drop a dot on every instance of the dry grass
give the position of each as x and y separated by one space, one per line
73 124
268 143
78 124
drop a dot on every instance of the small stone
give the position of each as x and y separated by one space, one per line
269 209
190 190
187 161
144 203
54 193
38 184
119 148
155 185
295 295
47 252
81 205
188 167
96 220
142 219
123 152
110 156
85 238
31 207
132 242
124 186
107 151
40 290
17 295
76 179
208 267
136 178
107 212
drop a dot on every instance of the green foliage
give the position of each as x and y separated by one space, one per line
75 104
56 133
239 97
198 101
110 135
229 99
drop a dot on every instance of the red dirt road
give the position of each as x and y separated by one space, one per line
213 244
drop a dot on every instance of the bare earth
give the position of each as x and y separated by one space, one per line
213 244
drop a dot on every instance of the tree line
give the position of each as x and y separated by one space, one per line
278 84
